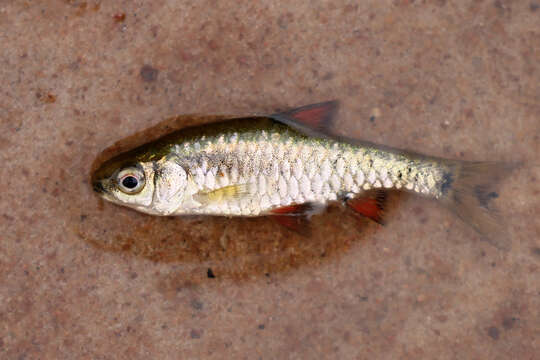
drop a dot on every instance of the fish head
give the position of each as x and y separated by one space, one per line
125 182
153 186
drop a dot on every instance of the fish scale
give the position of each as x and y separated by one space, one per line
284 165
308 170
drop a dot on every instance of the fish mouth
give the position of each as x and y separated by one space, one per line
98 187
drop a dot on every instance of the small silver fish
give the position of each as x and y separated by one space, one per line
289 165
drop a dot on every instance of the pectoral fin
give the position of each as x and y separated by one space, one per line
222 194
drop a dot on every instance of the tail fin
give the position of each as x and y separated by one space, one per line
469 194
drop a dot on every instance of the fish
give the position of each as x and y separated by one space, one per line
291 165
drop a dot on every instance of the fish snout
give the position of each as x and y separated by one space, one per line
98 187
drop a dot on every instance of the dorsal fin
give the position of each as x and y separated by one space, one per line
316 120
313 120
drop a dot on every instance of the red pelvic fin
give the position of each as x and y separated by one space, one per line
291 210
315 119
370 204
296 217
306 209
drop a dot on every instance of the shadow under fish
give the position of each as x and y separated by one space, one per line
287 166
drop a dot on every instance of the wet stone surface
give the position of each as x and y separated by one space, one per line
82 278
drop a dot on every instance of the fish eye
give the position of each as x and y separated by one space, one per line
131 180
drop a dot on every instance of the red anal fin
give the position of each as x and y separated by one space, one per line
310 119
296 216
370 204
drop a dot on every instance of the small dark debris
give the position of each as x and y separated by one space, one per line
62 270
267 274
534 6
120 17
164 326
148 73
196 304
261 327
363 298
536 251
46 98
328 76
194 334
372 118
493 195
83 217
133 275
483 196
493 332
508 322
210 274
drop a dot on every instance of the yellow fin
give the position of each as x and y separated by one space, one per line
221 194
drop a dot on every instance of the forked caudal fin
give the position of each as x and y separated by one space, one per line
468 193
